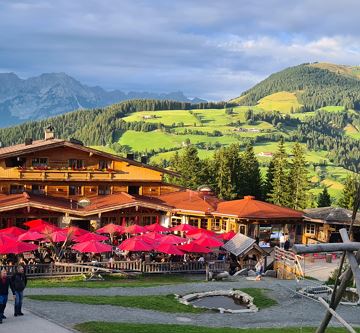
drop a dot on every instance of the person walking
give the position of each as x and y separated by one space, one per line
18 283
4 291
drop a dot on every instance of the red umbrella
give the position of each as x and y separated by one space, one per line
35 223
147 239
45 228
14 231
110 228
193 247
89 237
168 249
228 235
30 236
92 246
135 244
208 241
156 227
4 239
198 232
17 247
172 239
75 231
183 227
134 229
59 236
153 235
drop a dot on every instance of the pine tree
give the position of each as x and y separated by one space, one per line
298 182
349 192
251 182
279 194
189 166
227 169
268 187
324 199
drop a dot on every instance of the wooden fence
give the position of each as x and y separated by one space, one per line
69 269
287 264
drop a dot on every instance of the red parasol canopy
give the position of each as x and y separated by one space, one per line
198 232
193 247
168 249
4 239
208 241
134 229
45 228
30 236
172 239
17 247
35 223
110 228
183 227
90 237
157 228
154 235
13 231
92 246
76 231
59 236
135 244
228 235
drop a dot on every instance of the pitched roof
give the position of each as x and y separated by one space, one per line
97 204
190 201
38 145
255 209
241 244
331 215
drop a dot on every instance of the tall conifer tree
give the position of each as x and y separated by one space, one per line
298 182
349 193
251 182
324 199
279 194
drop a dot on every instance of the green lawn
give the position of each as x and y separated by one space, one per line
110 281
104 327
163 303
261 300
281 101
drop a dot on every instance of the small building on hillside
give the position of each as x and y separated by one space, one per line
323 224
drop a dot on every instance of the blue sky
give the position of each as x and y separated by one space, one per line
210 49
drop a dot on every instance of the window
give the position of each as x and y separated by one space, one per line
134 190
38 189
175 220
310 229
104 189
15 162
215 225
16 189
194 221
104 164
76 164
39 162
75 190
223 224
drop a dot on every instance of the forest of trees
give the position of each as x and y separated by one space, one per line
314 88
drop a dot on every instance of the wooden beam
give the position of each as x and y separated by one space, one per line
326 247
336 315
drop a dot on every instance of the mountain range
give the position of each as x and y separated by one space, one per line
56 93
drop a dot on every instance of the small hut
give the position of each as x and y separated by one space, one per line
245 251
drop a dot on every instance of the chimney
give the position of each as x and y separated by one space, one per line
49 133
130 156
144 159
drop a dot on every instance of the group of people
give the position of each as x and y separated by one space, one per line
16 283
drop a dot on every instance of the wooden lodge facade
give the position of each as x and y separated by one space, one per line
65 183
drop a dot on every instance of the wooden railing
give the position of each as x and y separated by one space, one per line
287 264
64 269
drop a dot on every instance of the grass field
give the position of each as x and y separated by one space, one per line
110 281
282 101
105 327
163 303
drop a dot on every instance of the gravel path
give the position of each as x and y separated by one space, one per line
291 311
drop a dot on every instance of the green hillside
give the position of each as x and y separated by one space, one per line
315 86
271 110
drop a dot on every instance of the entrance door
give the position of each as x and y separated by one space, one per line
83 224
